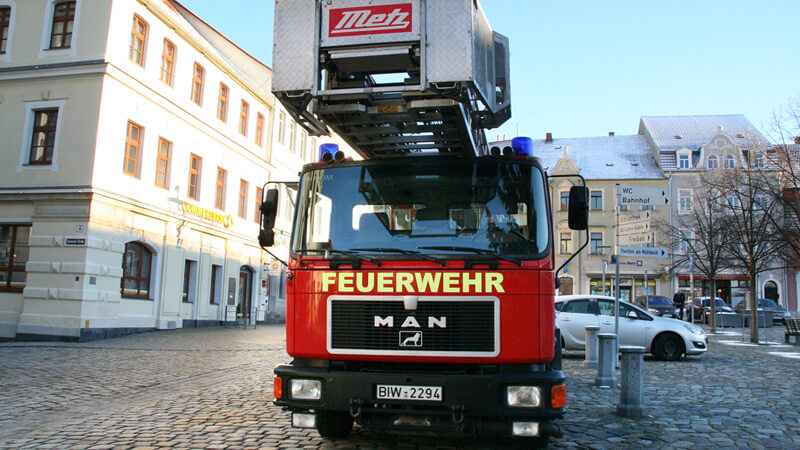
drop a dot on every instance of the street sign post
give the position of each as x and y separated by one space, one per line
634 228
635 217
635 195
636 240
643 252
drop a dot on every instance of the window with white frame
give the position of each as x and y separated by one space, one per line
730 162
6 29
686 237
683 161
713 162
760 202
41 135
597 200
566 242
733 201
684 200
760 161
596 239
564 204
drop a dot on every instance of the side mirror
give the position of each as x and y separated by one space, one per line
269 210
579 208
632 315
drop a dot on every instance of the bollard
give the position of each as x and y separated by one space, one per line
591 347
606 360
631 403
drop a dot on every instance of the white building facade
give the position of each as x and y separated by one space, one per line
136 143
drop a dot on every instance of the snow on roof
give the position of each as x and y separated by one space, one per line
675 132
600 158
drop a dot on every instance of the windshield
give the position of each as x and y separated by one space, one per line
719 302
465 207
659 301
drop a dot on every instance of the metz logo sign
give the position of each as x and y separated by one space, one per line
379 19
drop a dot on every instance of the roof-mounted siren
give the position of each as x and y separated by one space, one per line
522 146
330 152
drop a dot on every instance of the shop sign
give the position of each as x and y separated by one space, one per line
207 214
75 241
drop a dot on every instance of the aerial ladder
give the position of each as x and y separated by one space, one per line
392 77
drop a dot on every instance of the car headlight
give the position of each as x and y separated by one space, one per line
524 396
694 329
652 311
305 389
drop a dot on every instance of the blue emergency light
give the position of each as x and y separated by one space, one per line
327 152
522 146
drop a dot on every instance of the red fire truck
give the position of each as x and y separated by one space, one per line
421 277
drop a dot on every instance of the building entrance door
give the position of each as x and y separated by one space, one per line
771 290
245 291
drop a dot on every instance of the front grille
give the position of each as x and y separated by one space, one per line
470 326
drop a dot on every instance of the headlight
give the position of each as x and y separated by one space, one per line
694 329
524 396
305 389
653 311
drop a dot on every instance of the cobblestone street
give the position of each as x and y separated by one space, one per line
212 388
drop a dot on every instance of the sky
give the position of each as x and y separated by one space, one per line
583 68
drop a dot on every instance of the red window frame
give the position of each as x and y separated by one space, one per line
243 188
195 166
257 213
43 138
132 149
244 116
11 266
5 24
198 75
142 279
260 130
219 194
138 40
167 62
63 23
222 103
162 163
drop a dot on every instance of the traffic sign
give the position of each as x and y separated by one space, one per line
634 227
635 195
636 239
643 252
640 216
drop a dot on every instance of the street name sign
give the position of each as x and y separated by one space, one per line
635 195
636 239
634 228
643 252
639 216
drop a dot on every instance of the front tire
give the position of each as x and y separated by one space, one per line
668 347
334 425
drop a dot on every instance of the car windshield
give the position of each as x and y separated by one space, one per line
659 301
461 206
719 303
767 303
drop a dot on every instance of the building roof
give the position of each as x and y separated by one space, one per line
601 158
249 69
675 132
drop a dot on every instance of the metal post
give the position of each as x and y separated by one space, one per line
691 287
606 360
603 288
591 347
616 288
631 399
646 292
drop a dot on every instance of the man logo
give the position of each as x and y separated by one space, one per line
411 339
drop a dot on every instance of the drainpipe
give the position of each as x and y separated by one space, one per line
672 275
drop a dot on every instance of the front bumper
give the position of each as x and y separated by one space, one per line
471 404
696 345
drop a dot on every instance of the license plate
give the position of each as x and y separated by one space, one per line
419 393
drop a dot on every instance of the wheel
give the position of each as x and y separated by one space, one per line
668 347
334 425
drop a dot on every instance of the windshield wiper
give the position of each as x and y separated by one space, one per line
405 252
353 254
479 251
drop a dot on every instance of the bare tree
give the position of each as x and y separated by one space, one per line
700 230
753 239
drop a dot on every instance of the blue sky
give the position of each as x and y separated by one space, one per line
584 68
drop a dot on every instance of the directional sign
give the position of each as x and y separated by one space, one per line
635 195
634 240
643 252
640 216
634 228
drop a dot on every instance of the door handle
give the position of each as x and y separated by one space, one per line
566 320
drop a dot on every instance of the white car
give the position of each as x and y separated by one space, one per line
666 339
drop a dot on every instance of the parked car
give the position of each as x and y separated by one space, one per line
667 339
702 308
658 305
766 304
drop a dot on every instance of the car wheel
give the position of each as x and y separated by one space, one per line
334 425
668 347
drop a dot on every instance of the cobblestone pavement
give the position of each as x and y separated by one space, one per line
211 388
